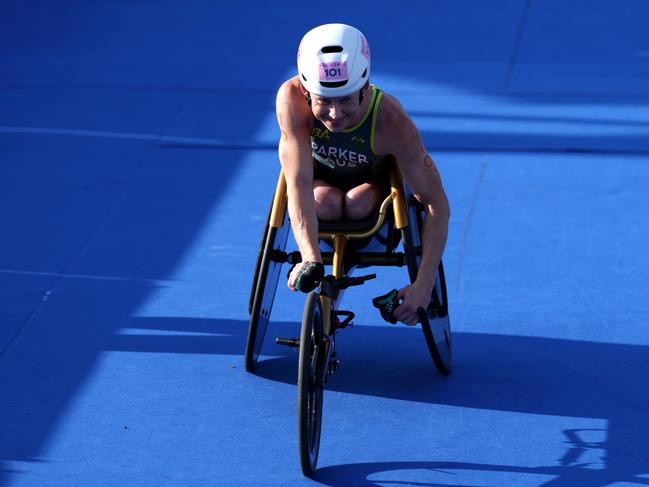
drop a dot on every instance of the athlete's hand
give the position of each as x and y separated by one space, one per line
305 276
414 297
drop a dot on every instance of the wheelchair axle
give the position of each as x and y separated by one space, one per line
289 342
394 259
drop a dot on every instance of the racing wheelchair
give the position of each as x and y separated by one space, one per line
345 246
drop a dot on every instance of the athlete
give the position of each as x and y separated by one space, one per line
337 131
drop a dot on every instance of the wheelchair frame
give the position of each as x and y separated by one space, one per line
320 320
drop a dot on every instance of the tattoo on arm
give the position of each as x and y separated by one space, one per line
428 162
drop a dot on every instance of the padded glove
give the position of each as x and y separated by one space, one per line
309 277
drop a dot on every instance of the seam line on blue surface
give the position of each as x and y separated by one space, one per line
472 208
587 300
38 306
513 60
85 276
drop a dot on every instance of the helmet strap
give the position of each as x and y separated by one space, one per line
361 95
308 98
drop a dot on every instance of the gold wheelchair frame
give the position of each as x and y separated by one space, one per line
407 219
317 355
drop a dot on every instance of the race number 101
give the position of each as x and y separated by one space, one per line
334 71
331 72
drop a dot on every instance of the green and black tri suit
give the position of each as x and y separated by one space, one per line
347 159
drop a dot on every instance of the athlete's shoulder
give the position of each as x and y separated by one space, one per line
289 91
390 110
393 125
293 112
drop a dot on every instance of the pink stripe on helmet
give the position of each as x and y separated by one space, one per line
365 48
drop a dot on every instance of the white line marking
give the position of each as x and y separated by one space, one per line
112 135
160 332
84 276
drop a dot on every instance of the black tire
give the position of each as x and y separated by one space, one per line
435 324
310 384
260 254
267 276
435 321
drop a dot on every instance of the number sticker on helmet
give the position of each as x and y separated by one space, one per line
335 71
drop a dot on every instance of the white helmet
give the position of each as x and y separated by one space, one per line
333 60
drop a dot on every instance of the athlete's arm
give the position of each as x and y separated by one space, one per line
398 135
293 116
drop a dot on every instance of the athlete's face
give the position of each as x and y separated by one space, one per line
338 113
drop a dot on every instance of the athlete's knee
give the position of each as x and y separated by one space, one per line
361 202
328 203
358 210
329 212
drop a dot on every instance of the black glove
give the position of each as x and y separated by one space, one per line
386 305
309 277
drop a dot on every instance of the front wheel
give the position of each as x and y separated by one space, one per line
310 384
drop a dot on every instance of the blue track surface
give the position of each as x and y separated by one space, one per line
137 160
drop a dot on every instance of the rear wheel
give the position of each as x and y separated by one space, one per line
310 384
267 274
260 254
436 325
435 322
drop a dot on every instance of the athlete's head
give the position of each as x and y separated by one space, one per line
333 63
